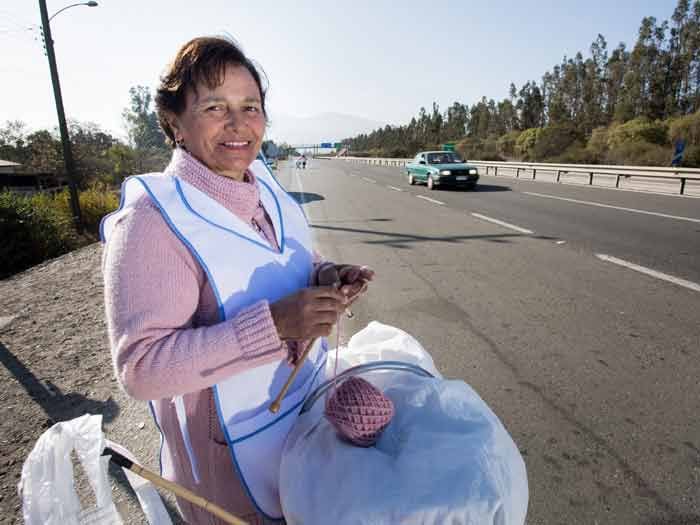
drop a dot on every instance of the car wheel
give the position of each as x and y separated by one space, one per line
411 180
431 184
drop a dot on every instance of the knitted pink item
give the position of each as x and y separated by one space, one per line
359 411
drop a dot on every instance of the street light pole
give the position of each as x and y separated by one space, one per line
63 128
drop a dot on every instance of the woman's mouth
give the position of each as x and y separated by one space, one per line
235 144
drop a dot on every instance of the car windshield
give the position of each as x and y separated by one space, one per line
446 157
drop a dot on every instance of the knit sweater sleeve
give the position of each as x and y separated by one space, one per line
152 291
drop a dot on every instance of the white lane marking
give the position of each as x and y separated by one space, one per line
589 203
504 224
369 180
429 199
648 271
394 188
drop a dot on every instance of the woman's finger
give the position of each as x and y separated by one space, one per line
326 292
367 273
329 305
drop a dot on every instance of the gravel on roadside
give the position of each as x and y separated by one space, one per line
57 366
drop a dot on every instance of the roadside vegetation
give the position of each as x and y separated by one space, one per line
617 106
36 226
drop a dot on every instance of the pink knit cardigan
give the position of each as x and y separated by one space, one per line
164 332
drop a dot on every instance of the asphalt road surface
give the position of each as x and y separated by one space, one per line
576 317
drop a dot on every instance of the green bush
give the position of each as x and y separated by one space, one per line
468 148
597 147
640 153
526 142
506 144
576 153
475 149
553 141
691 157
34 228
638 130
688 129
95 202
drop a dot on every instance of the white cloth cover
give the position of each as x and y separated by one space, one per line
444 459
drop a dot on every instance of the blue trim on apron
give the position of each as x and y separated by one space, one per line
189 247
239 472
121 205
319 367
231 442
178 187
262 158
162 437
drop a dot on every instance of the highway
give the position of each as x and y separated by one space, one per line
573 311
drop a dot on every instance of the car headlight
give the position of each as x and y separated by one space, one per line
445 172
472 172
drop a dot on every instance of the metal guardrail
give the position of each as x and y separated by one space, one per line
591 170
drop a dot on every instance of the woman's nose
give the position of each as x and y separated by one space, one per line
233 119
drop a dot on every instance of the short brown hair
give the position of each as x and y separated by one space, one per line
201 60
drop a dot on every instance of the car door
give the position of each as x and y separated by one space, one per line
422 168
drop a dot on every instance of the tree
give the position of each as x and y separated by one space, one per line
142 122
144 132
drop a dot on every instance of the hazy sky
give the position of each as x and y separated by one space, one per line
375 59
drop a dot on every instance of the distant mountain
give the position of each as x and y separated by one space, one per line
325 127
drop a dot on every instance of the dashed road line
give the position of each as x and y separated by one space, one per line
431 200
394 188
648 271
369 180
600 205
504 224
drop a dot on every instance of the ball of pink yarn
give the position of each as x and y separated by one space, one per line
359 411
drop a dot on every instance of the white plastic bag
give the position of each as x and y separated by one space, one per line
47 486
444 459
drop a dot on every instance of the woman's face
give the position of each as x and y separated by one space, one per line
223 127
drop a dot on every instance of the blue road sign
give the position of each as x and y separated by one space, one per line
326 144
678 154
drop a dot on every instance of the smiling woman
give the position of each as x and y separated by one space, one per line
216 109
212 289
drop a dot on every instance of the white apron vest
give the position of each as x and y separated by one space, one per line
242 269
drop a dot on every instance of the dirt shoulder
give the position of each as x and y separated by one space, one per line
56 365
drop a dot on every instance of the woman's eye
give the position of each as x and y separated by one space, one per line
214 108
252 109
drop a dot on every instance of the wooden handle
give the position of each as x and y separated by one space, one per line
178 490
275 405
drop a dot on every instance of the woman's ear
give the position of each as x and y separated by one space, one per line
174 124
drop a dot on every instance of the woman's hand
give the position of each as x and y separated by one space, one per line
309 313
352 279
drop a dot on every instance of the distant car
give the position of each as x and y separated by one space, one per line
441 168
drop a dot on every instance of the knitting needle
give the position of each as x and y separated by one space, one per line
179 490
275 406
277 402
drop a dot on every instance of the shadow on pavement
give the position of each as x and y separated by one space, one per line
402 240
676 520
490 187
63 407
57 405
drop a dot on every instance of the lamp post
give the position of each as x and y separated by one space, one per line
63 128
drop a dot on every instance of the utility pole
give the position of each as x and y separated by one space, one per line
63 128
